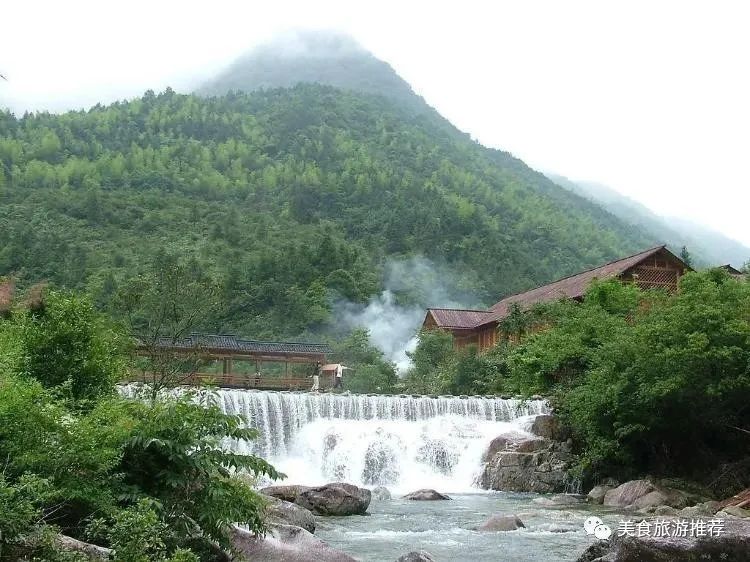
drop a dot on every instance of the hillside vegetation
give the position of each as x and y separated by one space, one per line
288 197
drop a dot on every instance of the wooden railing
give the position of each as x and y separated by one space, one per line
238 380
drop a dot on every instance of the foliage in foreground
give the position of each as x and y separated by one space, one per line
103 468
648 381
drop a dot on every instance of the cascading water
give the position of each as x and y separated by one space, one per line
402 442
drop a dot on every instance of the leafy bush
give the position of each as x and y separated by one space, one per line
153 471
65 344
137 534
660 384
174 455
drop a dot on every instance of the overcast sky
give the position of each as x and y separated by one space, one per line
650 98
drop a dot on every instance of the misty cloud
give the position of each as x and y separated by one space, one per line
393 318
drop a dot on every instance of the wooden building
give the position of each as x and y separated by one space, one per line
653 268
734 272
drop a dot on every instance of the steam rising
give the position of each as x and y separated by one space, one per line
417 283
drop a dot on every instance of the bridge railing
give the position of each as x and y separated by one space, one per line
238 380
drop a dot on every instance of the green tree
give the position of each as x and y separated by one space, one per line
67 345
686 257
162 308
369 371
434 348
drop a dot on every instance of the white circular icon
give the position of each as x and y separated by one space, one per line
591 524
602 532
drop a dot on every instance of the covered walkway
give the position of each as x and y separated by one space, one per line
204 350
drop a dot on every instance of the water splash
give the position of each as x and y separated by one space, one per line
402 442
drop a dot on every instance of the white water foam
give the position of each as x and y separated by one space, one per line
401 442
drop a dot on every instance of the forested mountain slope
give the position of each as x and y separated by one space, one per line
707 246
291 197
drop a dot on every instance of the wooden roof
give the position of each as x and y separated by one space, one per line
232 345
731 270
457 319
571 287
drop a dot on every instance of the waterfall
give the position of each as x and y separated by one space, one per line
402 442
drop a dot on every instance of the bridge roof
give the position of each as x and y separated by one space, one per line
232 345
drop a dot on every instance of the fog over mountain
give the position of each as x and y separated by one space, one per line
708 246
324 57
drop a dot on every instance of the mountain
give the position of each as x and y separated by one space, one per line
294 198
707 246
321 57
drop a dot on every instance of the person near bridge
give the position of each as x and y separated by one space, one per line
338 377
316 377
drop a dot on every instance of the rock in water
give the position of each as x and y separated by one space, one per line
626 494
732 545
426 495
597 493
337 498
416 556
287 543
558 500
287 493
500 522
542 471
284 512
381 493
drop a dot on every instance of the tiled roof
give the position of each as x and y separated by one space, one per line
234 344
571 287
457 318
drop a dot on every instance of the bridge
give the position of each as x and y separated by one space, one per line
201 350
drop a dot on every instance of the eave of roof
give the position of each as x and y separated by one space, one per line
457 318
572 286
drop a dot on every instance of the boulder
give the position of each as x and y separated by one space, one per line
549 427
738 500
558 500
543 469
381 493
626 494
645 495
284 512
704 509
514 442
734 511
597 493
416 556
664 510
500 522
426 495
287 493
287 543
731 545
337 498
